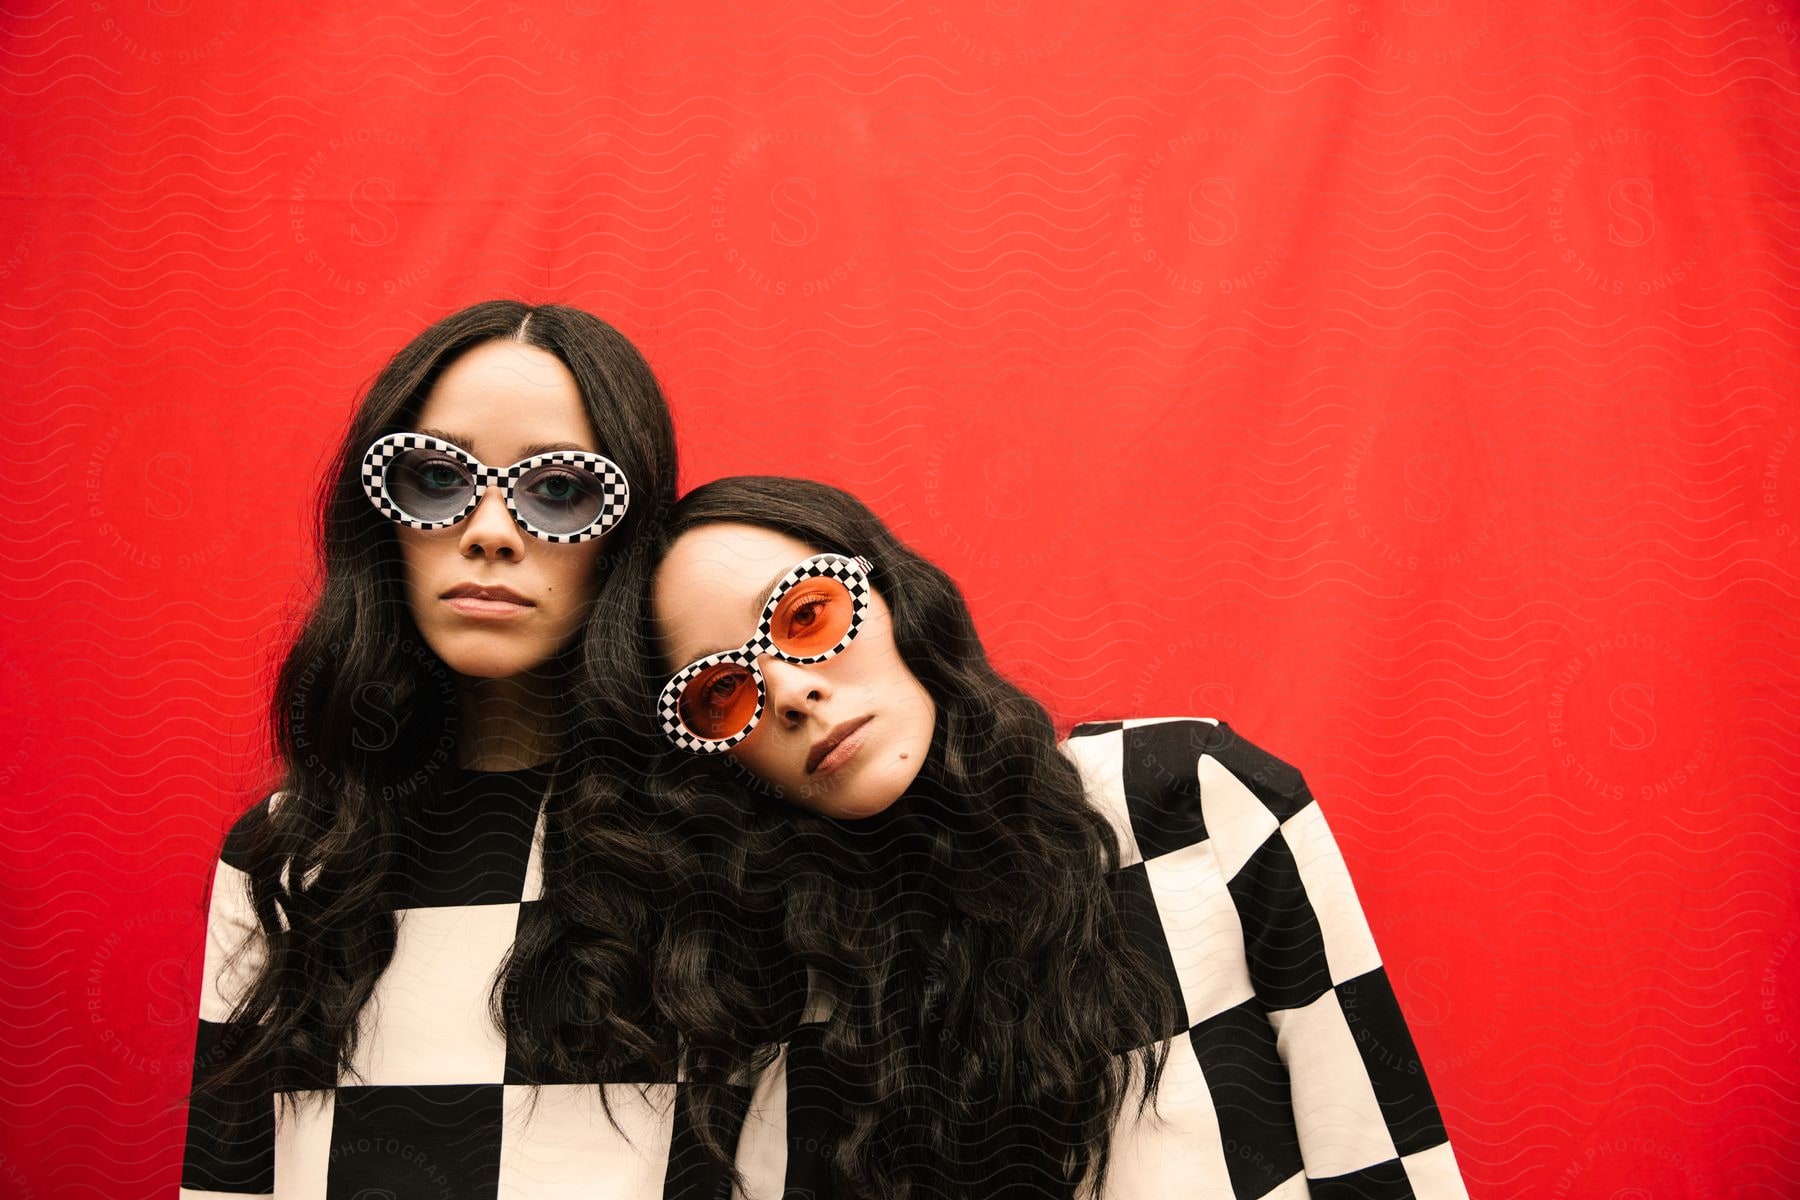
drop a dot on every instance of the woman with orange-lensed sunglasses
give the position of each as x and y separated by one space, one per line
1012 945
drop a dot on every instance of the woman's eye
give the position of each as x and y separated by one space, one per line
807 614
719 691
442 476
558 489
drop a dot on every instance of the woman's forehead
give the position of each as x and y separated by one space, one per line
711 586
733 554
504 401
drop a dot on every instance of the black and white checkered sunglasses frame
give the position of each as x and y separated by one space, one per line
853 573
615 492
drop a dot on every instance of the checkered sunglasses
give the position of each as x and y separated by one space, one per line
426 483
714 702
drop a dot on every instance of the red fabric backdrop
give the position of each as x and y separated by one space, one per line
1410 384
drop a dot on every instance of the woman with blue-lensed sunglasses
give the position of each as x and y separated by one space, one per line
403 994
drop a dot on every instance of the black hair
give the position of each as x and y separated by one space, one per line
990 1011
324 852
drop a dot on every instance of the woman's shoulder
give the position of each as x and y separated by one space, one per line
251 824
1167 781
1176 750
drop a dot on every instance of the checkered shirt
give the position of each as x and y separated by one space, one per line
445 1112
1291 1072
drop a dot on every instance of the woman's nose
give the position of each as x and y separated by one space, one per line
794 688
490 529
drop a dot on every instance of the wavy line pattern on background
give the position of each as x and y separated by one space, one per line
1409 383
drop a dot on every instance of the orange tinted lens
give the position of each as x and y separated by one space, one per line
811 617
719 701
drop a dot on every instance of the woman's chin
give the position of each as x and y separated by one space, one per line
858 810
873 788
866 798
480 658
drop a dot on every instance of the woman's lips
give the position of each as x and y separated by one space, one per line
474 606
486 600
844 751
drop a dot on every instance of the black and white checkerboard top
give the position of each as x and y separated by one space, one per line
443 1109
1291 1072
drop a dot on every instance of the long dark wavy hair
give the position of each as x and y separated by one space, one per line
324 854
990 1013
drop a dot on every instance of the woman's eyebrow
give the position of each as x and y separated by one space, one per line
446 436
547 447
462 443
762 597
758 599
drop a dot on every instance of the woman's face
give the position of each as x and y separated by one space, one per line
502 401
708 594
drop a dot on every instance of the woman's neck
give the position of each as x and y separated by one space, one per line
509 724
888 851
